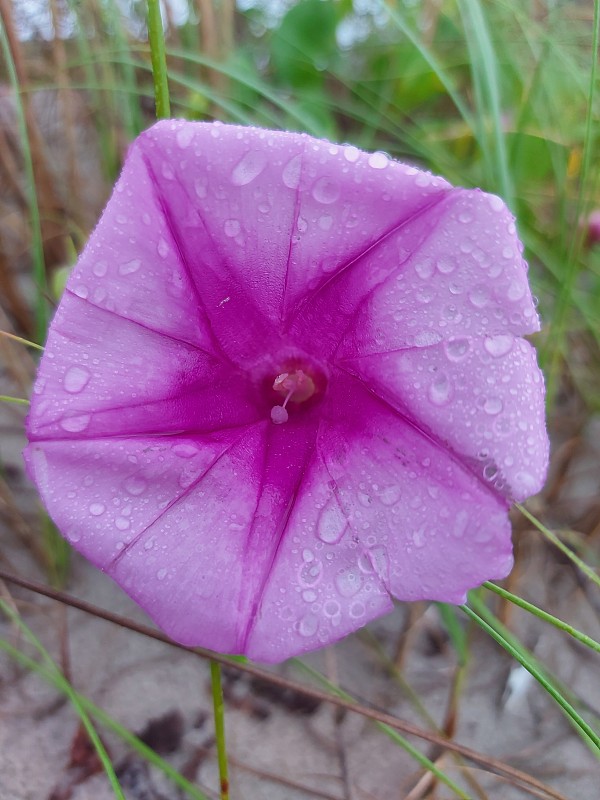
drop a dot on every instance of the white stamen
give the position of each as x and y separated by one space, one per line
279 415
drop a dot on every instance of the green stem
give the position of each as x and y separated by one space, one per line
219 715
21 340
544 615
18 401
156 39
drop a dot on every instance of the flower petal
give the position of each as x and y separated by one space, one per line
455 269
481 398
263 217
384 510
104 375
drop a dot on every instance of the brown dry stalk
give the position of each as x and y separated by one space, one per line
516 776
52 212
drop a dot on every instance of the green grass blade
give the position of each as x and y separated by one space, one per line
156 38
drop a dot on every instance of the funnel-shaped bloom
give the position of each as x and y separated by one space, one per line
285 384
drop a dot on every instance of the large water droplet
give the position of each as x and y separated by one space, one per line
249 168
424 268
325 190
440 390
75 424
349 581
129 267
493 406
97 509
332 522
291 172
231 228
457 349
498 346
378 160
185 449
135 485
351 153
76 379
308 625
100 268
184 136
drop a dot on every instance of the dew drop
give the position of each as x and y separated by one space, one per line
332 522
479 296
389 496
75 424
424 268
498 346
325 222
291 172
308 625
135 485
161 574
163 248
97 509
122 523
200 188
231 228
445 265
378 160
184 136
325 190
167 171
457 349
331 608
493 406
495 202
76 379
100 269
351 153
249 168
185 449
349 581
440 391
129 267
309 596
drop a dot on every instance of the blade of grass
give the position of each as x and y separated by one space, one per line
219 717
544 615
68 690
518 653
552 537
486 83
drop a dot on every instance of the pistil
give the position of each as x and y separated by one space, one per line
296 387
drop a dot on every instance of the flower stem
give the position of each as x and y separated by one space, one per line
219 715
156 39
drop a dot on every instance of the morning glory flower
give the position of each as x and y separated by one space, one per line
287 383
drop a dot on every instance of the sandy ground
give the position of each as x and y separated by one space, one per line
502 712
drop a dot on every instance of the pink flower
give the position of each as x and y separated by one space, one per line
285 384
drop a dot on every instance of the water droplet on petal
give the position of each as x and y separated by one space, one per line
100 268
440 391
185 449
291 172
325 190
184 136
249 168
349 581
76 379
129 267
445 265
493 405
378 160
135 485
163 248
498 346
457 349
97 509
332 522
308 625
351 153
122 523
424 268
75 424
231 228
